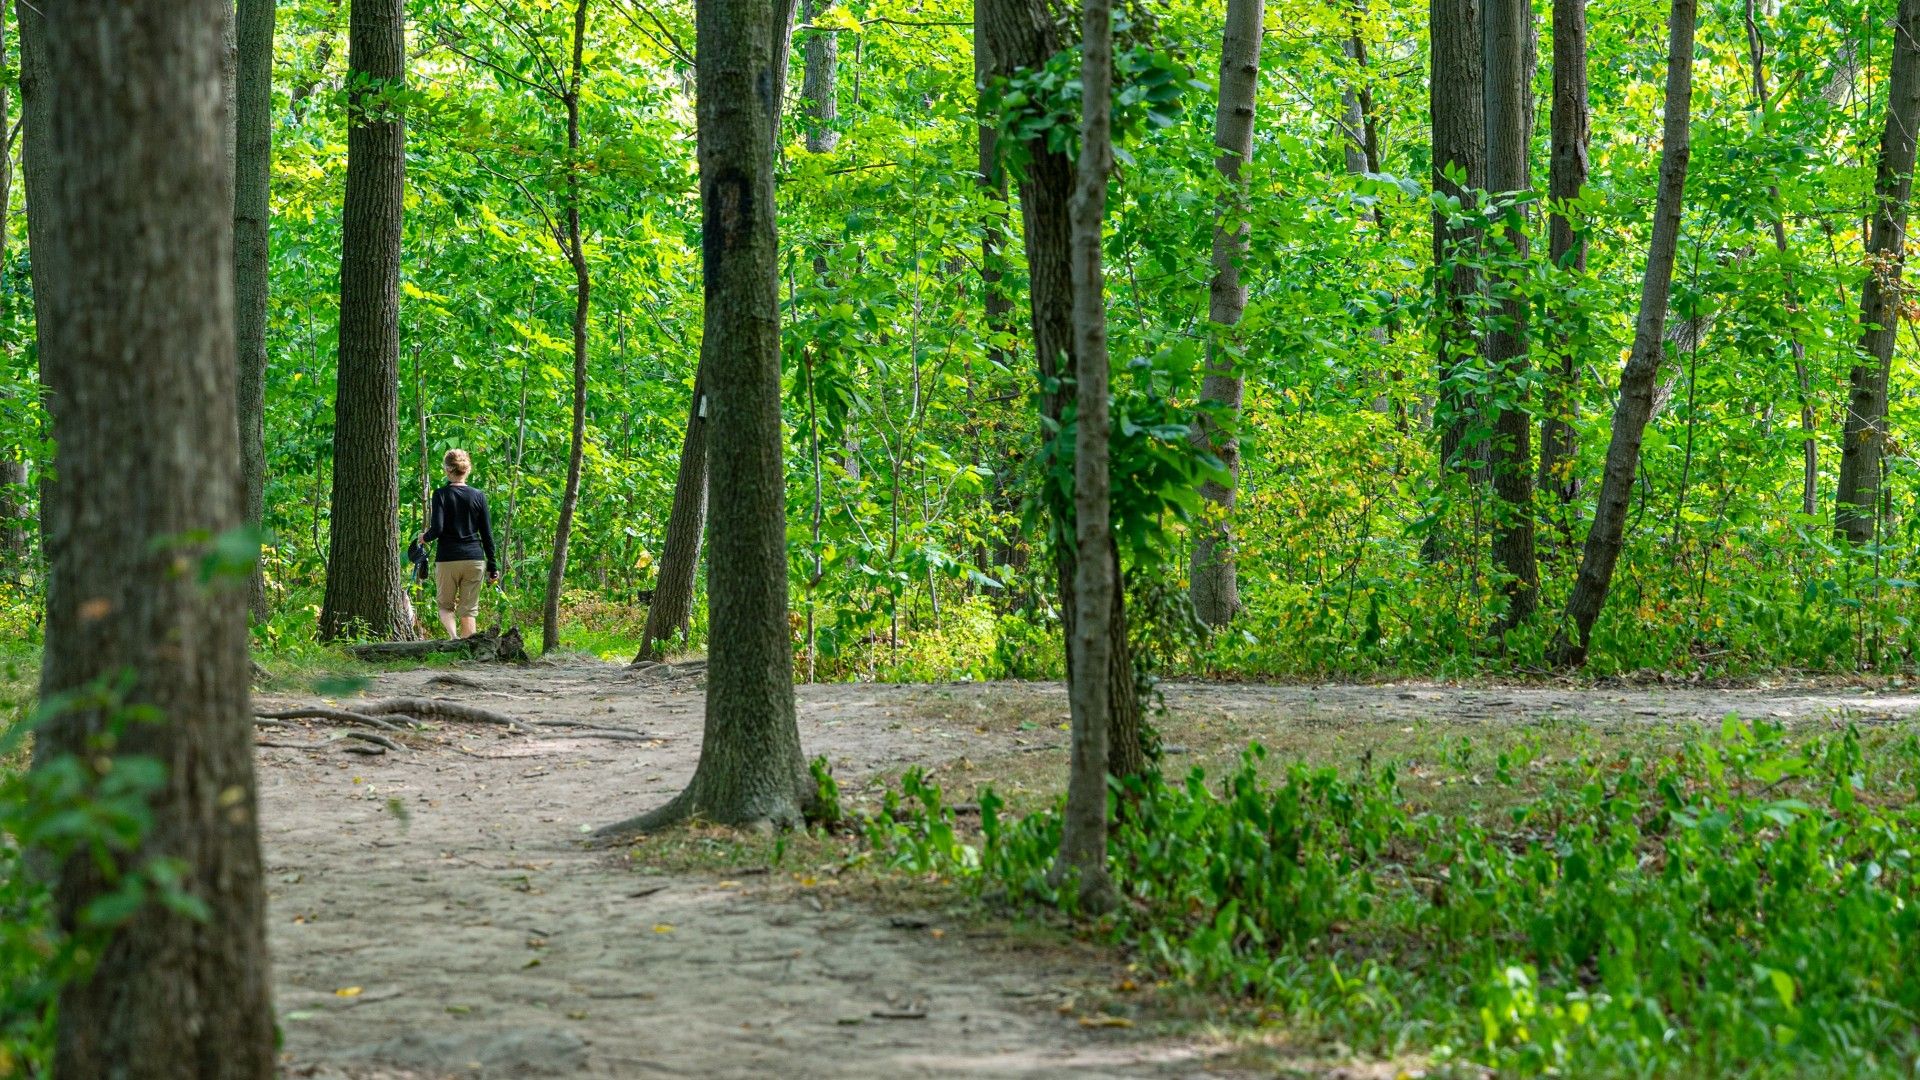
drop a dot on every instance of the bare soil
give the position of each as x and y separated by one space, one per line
435 913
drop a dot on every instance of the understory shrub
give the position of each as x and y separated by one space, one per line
1744 905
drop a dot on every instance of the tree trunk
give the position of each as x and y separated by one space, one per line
1865 442
750 770
1643 364
1214 584
1567 176
1459 146
1507 34
818 85
1021 34
993 233
45 259
1082 858
252 180
582 300
672 607
138 351
671 611
365 594
1809 442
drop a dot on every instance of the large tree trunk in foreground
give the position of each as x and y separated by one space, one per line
138 351
365 593
1643 364
1021 34
1508 34
1865 443
1566 176
253 168
750 771
1459 147
582 305
1214 584
1082 857
672 609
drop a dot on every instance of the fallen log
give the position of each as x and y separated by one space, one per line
487 646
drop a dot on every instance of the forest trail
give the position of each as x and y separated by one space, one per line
433 913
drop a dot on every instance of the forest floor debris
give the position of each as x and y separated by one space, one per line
505 947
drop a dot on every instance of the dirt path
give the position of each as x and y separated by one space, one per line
434 914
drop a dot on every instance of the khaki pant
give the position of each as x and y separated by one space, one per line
460 586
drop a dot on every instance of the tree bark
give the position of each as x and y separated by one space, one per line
1809 442
1643 363
1021 34
1865 441
1567 176
364 592
818 85
582 306
672 607
1213 576
138 351
1459 144
750 770
1507 34
1082 859
993 233
252 182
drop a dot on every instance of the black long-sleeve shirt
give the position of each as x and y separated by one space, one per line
460 523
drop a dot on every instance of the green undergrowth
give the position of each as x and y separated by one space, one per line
1744 903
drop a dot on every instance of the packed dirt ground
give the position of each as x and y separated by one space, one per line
435 911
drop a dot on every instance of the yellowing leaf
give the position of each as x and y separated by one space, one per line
347 992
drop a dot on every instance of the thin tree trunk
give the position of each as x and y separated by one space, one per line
1567 176
138 351
45 259
750 770
1809 443
993 234
1459 172
671 611
1865 442
15 539
582 302
365 593
1643 364
818 85
1021 34
1083 840
672 607
1213 576
252 180
1507 34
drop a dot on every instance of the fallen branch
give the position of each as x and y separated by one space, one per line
487 645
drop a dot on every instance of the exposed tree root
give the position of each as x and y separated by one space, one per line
338 716
378 740
442 710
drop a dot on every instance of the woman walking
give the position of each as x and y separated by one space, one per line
458 520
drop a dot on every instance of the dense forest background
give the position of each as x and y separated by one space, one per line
916 455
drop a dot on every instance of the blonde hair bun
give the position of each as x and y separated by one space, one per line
458 464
